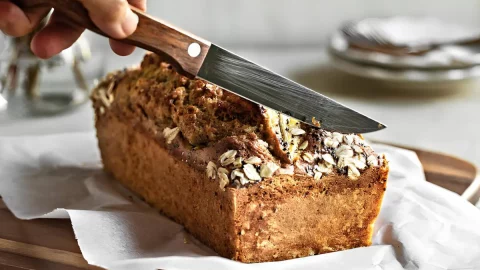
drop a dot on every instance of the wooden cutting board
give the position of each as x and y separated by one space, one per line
51 244
447 171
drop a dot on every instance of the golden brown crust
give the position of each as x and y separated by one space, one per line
158 132
278 219
204 114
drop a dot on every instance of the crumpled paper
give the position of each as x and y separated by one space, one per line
421 226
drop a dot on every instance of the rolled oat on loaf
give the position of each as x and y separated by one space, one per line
252 184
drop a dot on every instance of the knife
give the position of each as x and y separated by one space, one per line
196 57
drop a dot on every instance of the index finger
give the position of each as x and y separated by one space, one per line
119 47
16 22
114 17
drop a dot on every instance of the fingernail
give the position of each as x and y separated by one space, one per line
129 23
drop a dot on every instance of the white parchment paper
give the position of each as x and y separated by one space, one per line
421 226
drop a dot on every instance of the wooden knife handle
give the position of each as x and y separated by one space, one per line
151 34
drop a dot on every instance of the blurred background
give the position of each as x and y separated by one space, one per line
434 105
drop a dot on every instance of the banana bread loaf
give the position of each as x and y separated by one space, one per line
252 184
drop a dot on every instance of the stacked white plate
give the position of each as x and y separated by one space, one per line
407 49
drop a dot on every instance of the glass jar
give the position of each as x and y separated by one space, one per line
30 86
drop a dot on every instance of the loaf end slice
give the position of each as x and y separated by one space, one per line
253 185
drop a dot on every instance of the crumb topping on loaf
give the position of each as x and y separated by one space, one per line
233 140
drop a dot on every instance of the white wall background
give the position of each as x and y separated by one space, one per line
235 23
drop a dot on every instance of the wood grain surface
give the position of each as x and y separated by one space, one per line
50 243
444 170
38 244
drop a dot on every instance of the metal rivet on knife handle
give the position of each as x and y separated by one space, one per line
194 49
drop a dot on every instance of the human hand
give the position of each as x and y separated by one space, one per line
114 17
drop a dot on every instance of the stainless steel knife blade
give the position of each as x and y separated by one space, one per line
274 91
198 57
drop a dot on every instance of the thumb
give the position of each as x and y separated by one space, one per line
114 17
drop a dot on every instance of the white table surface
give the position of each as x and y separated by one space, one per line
442 117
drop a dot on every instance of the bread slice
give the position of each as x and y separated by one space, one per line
250 183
